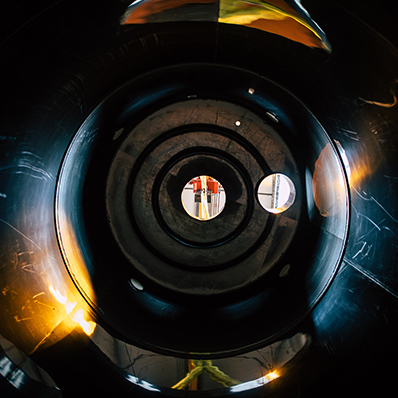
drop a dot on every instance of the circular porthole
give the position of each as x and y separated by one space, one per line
203 198
276 193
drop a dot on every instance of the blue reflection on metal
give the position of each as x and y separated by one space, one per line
148 99
5 366
16 376
141 383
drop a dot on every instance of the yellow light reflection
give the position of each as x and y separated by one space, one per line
359 174
272 376
75 313
274 16
364 166
63 300
245 12
87 326
204 209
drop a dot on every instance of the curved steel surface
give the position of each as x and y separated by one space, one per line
109 287
286 18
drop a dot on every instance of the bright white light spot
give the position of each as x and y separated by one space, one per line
251 90
238 123
136 284
276 193
142 383
62 299
250 385
272 117
272 376
345 161
87 326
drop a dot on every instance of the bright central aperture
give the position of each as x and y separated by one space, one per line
203 198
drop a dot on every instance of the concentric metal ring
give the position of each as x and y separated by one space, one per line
122 193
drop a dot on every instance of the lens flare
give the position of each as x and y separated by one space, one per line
62 299
76 314
272 376
87 326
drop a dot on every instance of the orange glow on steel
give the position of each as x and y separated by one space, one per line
75 313
87 326
272 376
63 300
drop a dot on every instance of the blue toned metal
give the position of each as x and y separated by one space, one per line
19 383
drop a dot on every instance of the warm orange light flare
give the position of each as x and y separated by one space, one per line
87 326
272 376
63 300
76 314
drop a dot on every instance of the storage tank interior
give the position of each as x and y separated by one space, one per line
198 198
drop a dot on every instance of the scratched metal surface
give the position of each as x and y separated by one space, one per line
55 72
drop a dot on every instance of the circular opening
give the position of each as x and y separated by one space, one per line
276 193
203 198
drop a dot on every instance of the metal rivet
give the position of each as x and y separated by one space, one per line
284 271
272 117
136 284
118 133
